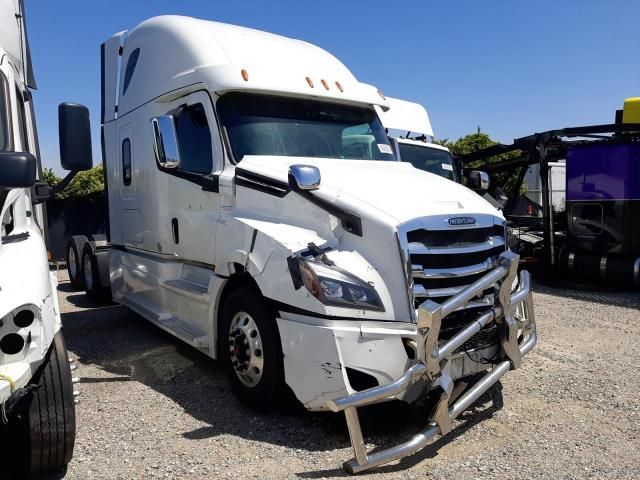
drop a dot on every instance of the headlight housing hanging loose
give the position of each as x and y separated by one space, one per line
334 286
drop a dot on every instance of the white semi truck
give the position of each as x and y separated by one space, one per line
37 412
411 135
258 213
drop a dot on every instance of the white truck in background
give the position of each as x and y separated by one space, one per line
37 412
258 213
411 135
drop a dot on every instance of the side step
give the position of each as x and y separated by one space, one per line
186 331
187 288
181 329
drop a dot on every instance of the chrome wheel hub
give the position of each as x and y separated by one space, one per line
88 272
245 349
72 263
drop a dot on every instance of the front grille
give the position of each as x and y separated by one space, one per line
444 262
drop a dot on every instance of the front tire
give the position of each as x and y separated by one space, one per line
250 350
45 434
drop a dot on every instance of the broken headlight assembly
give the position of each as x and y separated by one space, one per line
334 286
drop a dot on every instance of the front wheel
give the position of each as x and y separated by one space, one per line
250 349
45 433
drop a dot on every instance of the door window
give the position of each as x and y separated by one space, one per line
126 161
194 139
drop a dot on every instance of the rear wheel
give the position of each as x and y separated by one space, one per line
250 349
91 277
74 251
45 433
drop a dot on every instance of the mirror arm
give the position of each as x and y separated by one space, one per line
63 184
42 191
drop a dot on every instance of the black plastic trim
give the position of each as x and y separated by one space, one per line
209 183
18 237
161 257
350 222
262 183
284 307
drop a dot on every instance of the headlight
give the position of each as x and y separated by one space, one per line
333 286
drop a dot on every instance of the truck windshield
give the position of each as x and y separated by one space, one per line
271 125
432 160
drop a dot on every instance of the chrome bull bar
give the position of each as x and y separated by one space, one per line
431 357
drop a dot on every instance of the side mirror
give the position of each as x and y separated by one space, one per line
478 180
165 141
75 137
18 171
304 177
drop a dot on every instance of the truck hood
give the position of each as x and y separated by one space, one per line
392 189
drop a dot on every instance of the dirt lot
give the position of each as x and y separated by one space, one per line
153 408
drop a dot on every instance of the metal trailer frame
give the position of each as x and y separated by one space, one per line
544 148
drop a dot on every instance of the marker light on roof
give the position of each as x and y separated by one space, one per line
245 75
339 86
324 84
310 82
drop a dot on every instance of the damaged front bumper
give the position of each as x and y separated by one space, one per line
518 337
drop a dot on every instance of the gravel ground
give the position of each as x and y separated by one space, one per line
151 407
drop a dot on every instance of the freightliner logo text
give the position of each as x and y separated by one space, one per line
461 221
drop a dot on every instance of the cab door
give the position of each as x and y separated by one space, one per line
191 205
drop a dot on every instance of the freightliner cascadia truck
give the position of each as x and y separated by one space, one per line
411 135
37 412
246 220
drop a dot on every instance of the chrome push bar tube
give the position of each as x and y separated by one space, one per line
430 356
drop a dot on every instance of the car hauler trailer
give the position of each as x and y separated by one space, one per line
243 221
37 412
598 237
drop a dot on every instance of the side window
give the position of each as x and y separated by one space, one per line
126 161
131 66
194 139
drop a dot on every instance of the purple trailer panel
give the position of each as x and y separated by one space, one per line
603 172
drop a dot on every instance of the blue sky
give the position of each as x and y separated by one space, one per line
510 67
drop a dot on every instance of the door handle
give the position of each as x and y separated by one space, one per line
175 230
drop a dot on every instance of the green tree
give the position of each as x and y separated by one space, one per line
85 184
505 179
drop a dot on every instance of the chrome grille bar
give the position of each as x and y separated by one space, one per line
419 291
416 248
439 273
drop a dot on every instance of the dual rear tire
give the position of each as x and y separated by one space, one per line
93 263
86 265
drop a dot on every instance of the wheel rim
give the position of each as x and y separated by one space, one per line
88 272
73 268
245 349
